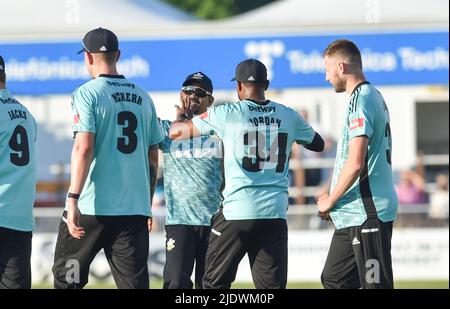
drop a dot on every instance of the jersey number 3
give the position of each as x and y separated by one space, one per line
128 143
19 144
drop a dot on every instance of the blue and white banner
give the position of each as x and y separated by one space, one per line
292 61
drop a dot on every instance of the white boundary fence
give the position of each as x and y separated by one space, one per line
418 253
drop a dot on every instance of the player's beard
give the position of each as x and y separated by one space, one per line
340 85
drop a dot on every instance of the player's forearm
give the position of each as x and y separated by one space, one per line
349 174
182 129
79 167
153 173
153 166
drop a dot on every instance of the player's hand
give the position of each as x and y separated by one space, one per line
324 216
325 204
73 219
190 104
180 111
149 224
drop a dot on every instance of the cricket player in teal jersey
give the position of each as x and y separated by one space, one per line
362 202
193 181
18 176
257 137
113 173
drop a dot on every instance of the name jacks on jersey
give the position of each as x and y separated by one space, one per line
17 113
127 97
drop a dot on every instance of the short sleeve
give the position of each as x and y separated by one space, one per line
156 131
361 118
303 132
212 121
35 129
83 111
165 126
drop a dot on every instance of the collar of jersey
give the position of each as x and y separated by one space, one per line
263 103
111 76
359 85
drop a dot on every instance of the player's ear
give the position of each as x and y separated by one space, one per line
118 56
90 58
211 100
239 86
342 67
267 85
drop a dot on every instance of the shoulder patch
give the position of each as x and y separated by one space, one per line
356 123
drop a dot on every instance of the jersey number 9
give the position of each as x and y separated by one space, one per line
19 144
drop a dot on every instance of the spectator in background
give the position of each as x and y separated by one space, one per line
411 188
439 200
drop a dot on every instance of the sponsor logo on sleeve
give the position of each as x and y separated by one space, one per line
356 123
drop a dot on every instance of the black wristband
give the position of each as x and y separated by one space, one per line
73 195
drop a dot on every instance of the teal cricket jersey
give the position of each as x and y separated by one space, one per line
124 121
193 178
18 172
257 140
373 191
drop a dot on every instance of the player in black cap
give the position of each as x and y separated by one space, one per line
251 71
100 40
193 181
257 136
116 138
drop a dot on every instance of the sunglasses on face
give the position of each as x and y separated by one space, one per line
199 92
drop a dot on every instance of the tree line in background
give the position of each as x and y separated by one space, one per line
217 9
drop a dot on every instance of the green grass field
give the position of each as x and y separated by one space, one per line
157 284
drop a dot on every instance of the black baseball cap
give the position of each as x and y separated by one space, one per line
2 64
99 40
201 78
251 71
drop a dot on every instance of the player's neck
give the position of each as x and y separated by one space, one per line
2 86
353 81
255 95
104 69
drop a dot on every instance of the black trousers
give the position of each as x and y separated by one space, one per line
15 255
360 257
265 242
124 240
185 244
